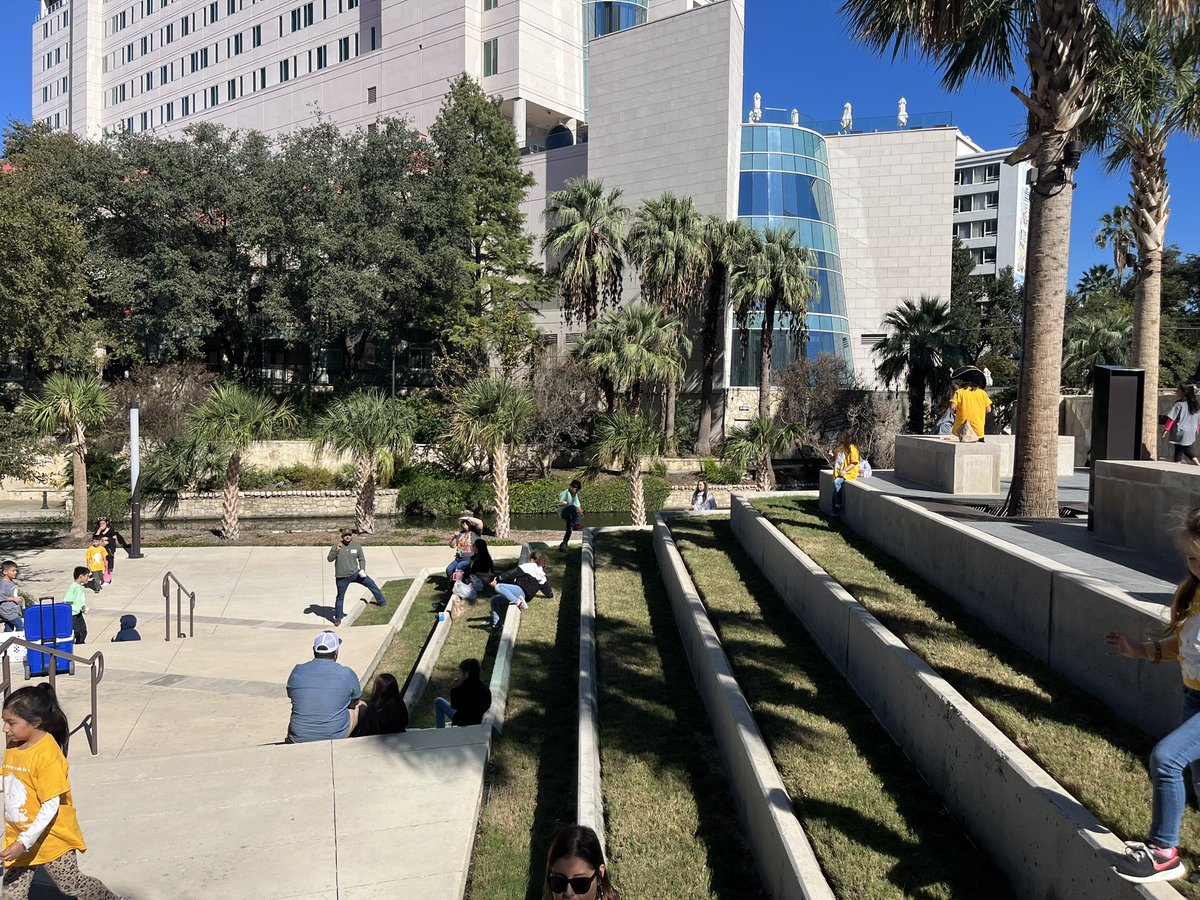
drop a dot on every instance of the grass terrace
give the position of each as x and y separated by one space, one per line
470 636
404 650
666 798
1076 738
876 827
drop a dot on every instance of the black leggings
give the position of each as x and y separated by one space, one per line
1184 452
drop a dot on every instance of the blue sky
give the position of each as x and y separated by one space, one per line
806 59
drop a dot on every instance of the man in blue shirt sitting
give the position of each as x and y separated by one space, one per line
324 695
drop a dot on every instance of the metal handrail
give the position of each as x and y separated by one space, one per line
180 591
95 663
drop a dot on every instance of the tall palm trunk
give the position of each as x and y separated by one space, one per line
764 358
916 400
1034 490
708 363
670 395
500 479
765 476
1149 204
1061 42
591 306
229 499
79 485
364 504
637 497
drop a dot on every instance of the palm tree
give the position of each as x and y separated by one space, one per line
1096 339
1098 279
1057 39
917 352
666 243
760 439
724 241
773 277
492 414
378 432
584 227
1116 232
628 441
633 346
1151 85
233 418
68 406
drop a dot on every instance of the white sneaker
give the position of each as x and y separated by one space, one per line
522 604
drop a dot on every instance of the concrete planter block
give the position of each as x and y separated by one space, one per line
1008 443
1142 505
947 465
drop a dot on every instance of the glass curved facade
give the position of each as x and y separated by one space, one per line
601 17
784 180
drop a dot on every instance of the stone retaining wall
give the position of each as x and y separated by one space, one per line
270 505
1048 843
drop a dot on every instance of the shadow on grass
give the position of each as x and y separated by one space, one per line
782 671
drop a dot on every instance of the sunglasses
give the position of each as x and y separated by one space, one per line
581 884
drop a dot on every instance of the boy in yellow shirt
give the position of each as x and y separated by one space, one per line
97 562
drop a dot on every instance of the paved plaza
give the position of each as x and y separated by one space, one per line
191 794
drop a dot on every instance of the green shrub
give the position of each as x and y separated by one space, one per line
601 495
114 502
346 476
426 490
251 478
304 477
721 472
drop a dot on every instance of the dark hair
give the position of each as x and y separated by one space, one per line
576 483
539 559
8 564
80 570
38 705
482 560
580 842
388 704
1181 602
1189 394
471 667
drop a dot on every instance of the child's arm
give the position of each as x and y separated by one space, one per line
27 838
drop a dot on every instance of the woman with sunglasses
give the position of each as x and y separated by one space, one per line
575 867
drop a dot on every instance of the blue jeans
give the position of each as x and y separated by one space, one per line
17 624
505 594
443 711
1179 750
457 564
360 578
838 499
571 515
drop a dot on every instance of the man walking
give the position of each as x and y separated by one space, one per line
350 567
324 695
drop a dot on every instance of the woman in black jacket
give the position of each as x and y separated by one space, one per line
469 699
520 585
385 713
112 538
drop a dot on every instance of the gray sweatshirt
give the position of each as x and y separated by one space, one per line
349 559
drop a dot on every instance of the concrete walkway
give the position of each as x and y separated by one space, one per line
192 796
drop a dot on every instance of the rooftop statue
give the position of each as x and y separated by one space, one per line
847 118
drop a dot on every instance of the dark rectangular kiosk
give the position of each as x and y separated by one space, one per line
1116 418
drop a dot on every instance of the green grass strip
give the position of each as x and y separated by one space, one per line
404 650
876 827
381 615
666 799
470 636
531 789
1077 739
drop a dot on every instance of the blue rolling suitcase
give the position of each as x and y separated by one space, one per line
49 624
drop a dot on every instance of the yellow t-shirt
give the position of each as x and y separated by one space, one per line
845 462
971 405
31 777
95 559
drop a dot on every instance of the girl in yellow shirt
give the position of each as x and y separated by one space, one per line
845 467
1157 859
40 826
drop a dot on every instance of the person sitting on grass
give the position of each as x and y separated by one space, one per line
479 572
469 700
576 860
385 712
325 695
520 585
462 542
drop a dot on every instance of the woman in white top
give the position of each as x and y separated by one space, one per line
1182 423
701 498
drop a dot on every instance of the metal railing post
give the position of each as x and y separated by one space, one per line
192 615
95 664
167 604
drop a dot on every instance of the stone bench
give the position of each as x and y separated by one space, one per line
1142 505
947 465
1008 446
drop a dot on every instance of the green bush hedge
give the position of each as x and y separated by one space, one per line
428 491
602 495
721 472
297 477
114 502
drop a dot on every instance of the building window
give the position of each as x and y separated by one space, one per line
988 227
491 65
169 112
991 200
372 128
343 49
295 20
232 89
170 33
984 255
351 4
237 44
991 172
284 70
145 121
372 94
212 12
372 37
322 57
184 28
490 4
214 96
186 104
256 36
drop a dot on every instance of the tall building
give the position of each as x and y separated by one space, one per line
643 94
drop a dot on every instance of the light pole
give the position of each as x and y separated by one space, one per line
135 478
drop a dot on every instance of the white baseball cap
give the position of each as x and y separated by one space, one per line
326 642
